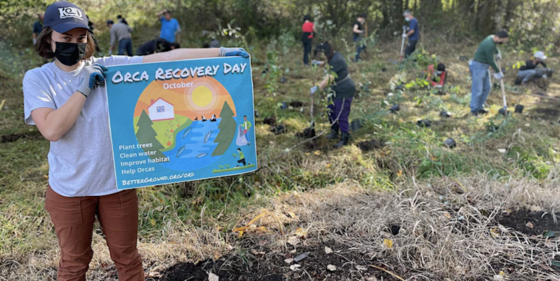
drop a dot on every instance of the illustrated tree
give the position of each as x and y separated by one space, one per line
147 135
227 129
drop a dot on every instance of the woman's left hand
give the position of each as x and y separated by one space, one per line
233 52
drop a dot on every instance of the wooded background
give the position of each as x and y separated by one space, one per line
531 23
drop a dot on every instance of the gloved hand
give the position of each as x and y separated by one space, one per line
233 52
499 56
34 41
91 77
498 76
404 35
110 52
314 89
316 62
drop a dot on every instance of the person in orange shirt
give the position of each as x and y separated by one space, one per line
308 29
436 78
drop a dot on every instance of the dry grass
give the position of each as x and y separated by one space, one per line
345 195
447 232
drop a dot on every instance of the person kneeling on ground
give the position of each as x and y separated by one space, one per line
159 45
344 88
436 79
530 72
479 66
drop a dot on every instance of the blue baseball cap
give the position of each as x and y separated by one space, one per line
63 16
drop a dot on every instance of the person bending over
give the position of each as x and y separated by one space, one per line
436 78
159 45
344 89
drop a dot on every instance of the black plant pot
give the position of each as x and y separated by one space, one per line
519 108
357 124
503 112
395 108
445 114
424 123
296 104
450 143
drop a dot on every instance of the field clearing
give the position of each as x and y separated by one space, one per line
462 213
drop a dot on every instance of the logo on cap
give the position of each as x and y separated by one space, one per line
70 12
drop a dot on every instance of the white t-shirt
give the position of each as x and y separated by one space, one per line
81 161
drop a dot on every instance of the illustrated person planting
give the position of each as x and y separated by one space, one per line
63 99
344 89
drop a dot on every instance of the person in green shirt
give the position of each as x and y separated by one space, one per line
479 68
241 158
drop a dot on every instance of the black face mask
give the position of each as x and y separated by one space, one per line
70 53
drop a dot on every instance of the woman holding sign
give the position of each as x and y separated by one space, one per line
64 101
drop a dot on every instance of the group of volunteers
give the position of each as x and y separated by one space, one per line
342 84
344 87
121 35
64 100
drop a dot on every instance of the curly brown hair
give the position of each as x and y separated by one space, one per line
44 47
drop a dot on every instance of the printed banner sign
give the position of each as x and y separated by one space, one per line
181 121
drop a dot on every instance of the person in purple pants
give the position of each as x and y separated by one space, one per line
344 89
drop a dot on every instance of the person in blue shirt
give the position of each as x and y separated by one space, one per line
37 28
169 26
413 33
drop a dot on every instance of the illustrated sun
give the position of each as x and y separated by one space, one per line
202 96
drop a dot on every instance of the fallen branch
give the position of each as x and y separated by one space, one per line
387 271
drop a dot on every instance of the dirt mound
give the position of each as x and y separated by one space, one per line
369 145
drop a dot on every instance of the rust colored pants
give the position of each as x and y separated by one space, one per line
73 219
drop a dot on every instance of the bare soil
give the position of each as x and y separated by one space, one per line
530 223
266 265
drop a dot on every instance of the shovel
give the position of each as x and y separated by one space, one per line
402 45
503 88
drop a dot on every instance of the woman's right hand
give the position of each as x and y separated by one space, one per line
91 77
